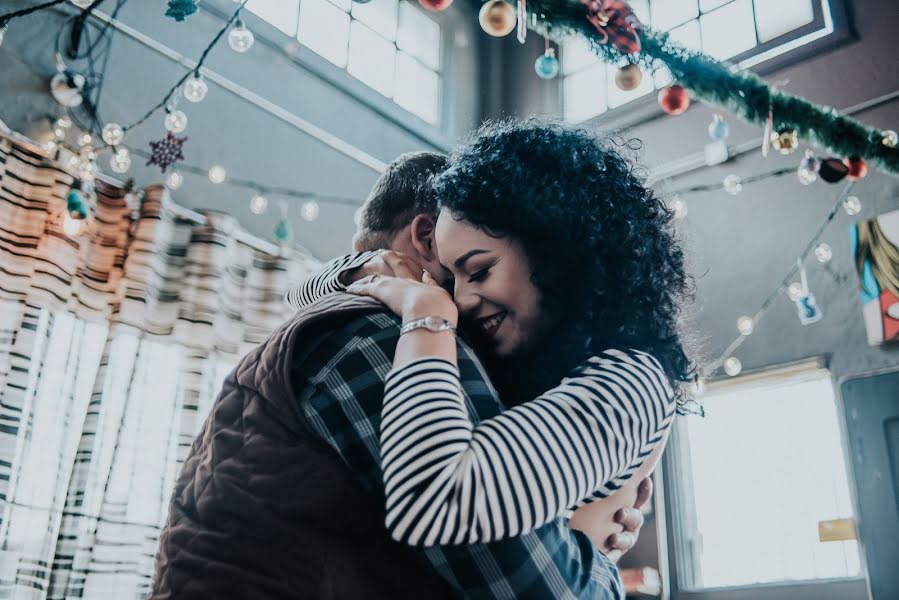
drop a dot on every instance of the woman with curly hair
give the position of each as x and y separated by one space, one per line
564 266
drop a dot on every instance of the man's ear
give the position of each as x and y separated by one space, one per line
423 236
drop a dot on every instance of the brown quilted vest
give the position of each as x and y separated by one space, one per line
263 508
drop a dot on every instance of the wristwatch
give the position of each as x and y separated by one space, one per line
435 324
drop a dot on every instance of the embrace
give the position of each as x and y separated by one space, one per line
467 406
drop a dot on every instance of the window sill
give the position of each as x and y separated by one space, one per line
434 135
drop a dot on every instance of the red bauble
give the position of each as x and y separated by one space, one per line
435 5
674 99
857 166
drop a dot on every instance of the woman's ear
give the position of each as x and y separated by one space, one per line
423 236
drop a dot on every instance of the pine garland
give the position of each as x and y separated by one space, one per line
722 84
181 9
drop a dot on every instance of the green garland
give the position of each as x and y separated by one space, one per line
722 84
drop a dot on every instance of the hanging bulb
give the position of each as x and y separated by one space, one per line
852 206
719 130
808 168
309 211
113 134
258 204
794 291
217 174
195 88
733 366
174 180
745 325
120 162
240 38
63 123
823 253
733 185
176 121
85 140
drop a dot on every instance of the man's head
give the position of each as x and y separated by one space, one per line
401 210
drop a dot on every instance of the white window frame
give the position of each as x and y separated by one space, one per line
671 494
828 29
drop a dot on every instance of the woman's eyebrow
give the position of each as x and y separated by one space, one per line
460 262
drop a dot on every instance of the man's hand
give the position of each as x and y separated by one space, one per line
387 262
632 520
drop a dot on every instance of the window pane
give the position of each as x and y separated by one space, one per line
729 30
707 5
775 17
616 96
419 35
343 4
765 467
417 88
380 15
688 35
324 28
584 93
372 58
671 13
576 54
280 13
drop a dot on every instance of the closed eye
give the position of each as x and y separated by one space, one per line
479 275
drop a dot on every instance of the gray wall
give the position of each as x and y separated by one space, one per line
226 129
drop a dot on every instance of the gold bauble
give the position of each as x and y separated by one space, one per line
628 77
785 140
890 138
497 18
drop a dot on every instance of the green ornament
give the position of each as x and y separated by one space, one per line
75 205
181 9
283 232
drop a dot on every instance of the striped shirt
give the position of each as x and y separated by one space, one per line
448 481
327 280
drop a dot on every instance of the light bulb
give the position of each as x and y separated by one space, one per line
808 168
240 38
309 211
733 185
51 146
59 133
718 129
85 139
63 123
217 174
176 121
258 204
852 206
113 134
120 162
73 161
174 180
733 366
794 291
73 227
195 89
745 325
823 253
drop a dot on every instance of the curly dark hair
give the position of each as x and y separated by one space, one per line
599 242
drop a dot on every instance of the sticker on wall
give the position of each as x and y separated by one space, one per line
875 246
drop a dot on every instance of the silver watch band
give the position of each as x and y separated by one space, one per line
435 324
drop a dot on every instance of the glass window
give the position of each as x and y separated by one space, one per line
758 476
417 88
379 15
584 93
721 28
325 29
282 15
372 58
419 36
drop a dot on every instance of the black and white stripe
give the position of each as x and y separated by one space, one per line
327 280
449 482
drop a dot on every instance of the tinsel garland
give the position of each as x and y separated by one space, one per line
723 84
181 9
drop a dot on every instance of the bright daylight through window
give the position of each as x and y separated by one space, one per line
391 46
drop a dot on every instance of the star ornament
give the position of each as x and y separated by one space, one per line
167 151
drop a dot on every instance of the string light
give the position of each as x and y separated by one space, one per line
176 121
258 204
217 174
240 38
113 134
120 161
309 211
733 185
733 366
794 291
823 253
852 206
195 88
745 325
174 180
85 139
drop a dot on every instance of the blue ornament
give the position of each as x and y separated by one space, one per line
547 65
808 310
76 206
283 231
718 129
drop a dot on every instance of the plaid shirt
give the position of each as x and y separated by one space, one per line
343 391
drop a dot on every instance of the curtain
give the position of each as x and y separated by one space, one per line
112 348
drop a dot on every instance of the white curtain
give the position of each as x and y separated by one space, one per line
112 348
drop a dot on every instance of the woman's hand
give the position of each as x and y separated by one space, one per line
408 298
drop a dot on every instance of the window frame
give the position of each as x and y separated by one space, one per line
436 135
671 496
756 59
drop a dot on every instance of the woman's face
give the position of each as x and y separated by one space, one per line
492 285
